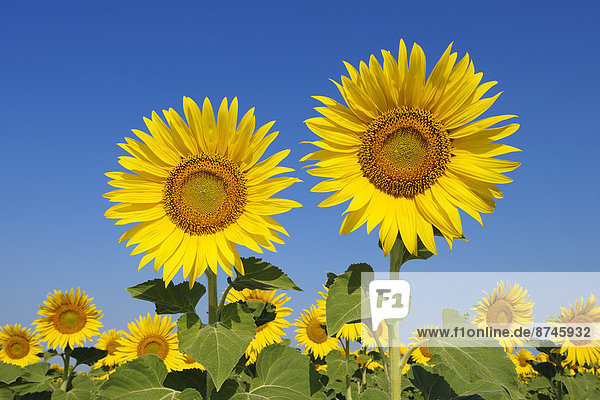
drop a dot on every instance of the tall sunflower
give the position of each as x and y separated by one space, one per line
524 369
406 151
270 331
581 352
423 353
109 341
347 331
152 335
196 190
508 306
68 319
18 345
311 333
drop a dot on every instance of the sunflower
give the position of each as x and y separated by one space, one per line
109 341
422 354
370 364
347 331
152 335
581 352
312 334
196 190
406 150
18 345
508 306
68 319
520 359
190 363
268 332
367 339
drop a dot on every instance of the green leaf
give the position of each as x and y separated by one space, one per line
260 274
83 389
470 370
34 379
88 355
345 297
581 386
174 299
217 347
338 367
373 394
282 373
142 379
9 372
48 354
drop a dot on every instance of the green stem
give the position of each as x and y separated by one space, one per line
223 297
66 356
395 375
348 386
386 363
559 385
212 317
212 296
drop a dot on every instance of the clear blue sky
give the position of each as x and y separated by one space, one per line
77 76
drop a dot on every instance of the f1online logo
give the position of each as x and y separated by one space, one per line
389 299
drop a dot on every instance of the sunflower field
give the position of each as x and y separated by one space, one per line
406 152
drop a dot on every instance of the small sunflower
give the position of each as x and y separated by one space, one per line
18 345
524 369
109 341
68 319
370 364
367 339
422 354
507 307
152 335
312 335
196 190
190 363
581 352
405 150
268 332
347 331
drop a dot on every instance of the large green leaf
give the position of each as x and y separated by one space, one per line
173 299
283 373
486 371
88 355
218 347
83 389
34 379
142 379
581 386
9 372
345 298
259 274
338 367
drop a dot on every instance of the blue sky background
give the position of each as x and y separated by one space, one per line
77 76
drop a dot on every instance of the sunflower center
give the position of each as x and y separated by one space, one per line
204 194
501 312
111 347
523 360
315 332
404 151
17 347
425 351
154 345
69 319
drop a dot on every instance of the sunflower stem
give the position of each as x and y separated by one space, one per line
66 356
348 386
212 296
223 297
395 356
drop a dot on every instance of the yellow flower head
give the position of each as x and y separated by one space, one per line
270 331
197 189
423 354
312 335
18 345
508 306
152 335
369 339
524 369
405 150
347 331
109 341
68 319
581 352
